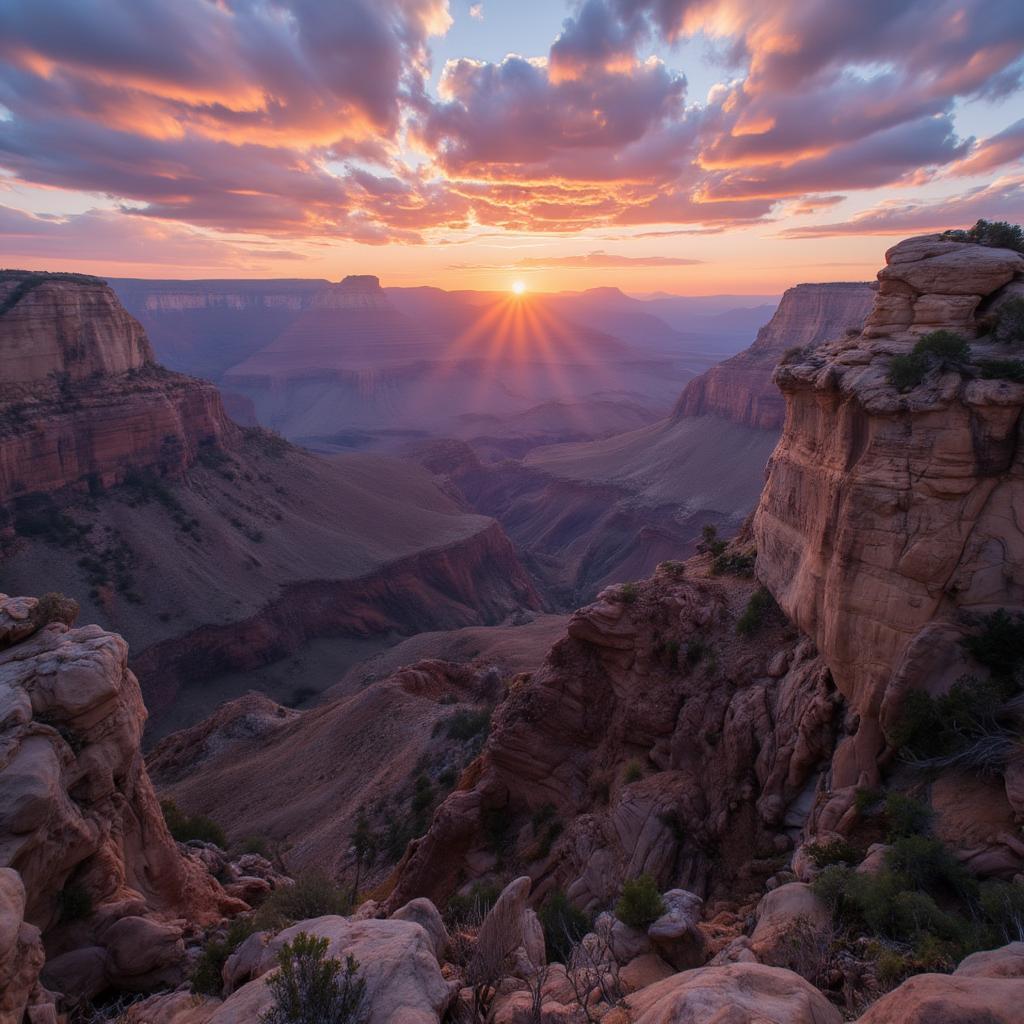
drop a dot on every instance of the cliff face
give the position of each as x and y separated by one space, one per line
65 324
741 389
886 515
81 401
79 819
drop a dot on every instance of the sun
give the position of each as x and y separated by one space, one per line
518 287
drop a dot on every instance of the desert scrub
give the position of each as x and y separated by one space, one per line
998 234
837 851
906 816
628 593
564 926
74 903
55 607
312 895
640 903
1001 369
186 827
466 725
735 564
312 988
471 907
633 772
1009 324
676 570
207 974
759 609
709 543
939 350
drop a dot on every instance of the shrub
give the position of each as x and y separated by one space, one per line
464 725
207 974
184 827
37 515
709 542
74 903
312 988
255 844
1009 325
312 895
999 643
793 354
999 234
564 925
1002 904
640 902
674 569
865 799
760 606
906 372
497 827
906 816
734 564
923 862
937 350
633 772
466 908
944 347
55 607
628 593
1001 369
838 851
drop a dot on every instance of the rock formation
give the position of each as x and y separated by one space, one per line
887 516
85 854
740 389
81 402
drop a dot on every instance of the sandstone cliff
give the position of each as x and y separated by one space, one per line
741 389
888 515
87 859
82 404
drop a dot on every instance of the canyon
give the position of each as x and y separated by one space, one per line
728 734
213 549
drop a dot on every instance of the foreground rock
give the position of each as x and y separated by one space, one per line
91 863
737 994
941 999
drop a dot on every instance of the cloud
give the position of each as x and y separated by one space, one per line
298 119
476 11
584 261
112 237
1002 148
1002 200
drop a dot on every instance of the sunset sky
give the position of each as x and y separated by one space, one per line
691 146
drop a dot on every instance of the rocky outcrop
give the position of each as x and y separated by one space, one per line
89 860
740 389
886 515
82 403
737 993
657 739
941 999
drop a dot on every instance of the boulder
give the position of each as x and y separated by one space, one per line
676 934
21 950
793 925
396 958
732 994
144 953
423 912
179 1007
78 974
243 964
950 999
1005 962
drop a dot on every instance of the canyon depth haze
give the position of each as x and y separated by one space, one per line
511 512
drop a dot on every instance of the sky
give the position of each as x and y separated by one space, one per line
687 146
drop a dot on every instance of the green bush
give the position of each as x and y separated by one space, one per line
838 851
759 608
255 844
1002 904
312 895
999 234
564 925
1001 369
312 988
906 816
1009 325
709 542
937 350
907 371
55 607
207 974
734 564
865 799
185 827
633 772
640 902
628 593
74 903
999 643
674 569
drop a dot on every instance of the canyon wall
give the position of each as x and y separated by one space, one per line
82 403
888 515
740 389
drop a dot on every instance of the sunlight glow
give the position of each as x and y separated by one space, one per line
519 287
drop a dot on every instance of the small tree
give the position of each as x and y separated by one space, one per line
312 988
640 902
